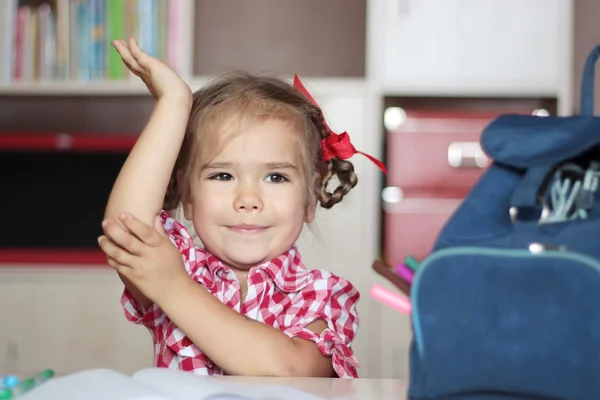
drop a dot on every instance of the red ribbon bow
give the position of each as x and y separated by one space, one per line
334 145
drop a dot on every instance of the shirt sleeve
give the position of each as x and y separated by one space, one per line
182 239
333 300
136 314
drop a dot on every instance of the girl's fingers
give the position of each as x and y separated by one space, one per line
116 253
142 58
147 234
120 268
128 59
123 238
118 42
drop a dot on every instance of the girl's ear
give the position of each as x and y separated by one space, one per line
184 194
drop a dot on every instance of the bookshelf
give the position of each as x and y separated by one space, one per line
62 47
69 41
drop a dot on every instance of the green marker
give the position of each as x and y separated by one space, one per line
411 262
26 385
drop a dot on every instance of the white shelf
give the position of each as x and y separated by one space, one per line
135 87
321 86
65 88
526 89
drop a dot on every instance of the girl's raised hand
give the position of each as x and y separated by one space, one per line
158 77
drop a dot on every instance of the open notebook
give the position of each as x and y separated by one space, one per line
156 384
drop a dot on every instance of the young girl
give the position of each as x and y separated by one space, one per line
247 158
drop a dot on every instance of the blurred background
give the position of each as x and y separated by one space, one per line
413 82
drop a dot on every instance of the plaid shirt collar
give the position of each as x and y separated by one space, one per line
287 271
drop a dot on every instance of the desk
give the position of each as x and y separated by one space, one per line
164 384
335 388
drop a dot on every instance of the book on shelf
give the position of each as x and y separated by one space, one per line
54 40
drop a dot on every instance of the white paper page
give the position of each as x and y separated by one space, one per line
181 385
94 384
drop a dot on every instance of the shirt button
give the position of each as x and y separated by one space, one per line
185 342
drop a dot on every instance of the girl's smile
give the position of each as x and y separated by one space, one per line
248 229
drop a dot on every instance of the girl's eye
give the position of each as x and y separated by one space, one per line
276 178
221 177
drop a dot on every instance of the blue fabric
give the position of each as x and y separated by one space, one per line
507 322
587 83
524 141
493 320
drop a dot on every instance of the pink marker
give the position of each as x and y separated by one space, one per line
391 299
404 272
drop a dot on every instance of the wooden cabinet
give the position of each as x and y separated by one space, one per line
480 45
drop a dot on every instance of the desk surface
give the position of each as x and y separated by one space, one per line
111 384
329 388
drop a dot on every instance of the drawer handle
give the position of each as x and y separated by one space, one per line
466 155
392 195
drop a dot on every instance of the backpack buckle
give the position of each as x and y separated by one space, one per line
536 248
514 213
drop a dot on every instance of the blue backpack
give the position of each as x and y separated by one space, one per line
507 305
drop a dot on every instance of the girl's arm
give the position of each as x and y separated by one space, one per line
142 182
237 344
242 346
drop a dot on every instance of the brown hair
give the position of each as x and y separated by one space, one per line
251 96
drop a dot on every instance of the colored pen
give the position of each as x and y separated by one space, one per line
26 385
411 262
404 272
9 381
391 299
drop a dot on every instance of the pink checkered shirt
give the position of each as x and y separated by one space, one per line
281 293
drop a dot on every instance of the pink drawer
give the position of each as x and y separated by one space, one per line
433 159
412 225
433 150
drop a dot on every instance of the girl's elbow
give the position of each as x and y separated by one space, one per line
311 367
282 367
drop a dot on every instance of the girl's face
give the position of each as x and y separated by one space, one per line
249 203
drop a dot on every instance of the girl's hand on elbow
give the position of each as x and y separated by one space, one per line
146 256
159 78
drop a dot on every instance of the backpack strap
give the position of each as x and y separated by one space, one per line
587 83
526 194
